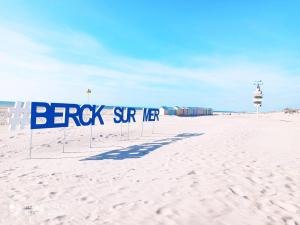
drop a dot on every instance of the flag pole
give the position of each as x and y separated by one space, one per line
88 92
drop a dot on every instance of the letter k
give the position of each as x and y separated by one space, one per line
97 113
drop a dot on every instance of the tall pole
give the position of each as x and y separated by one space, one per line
89 91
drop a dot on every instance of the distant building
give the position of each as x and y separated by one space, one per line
164 110
185 111
291 111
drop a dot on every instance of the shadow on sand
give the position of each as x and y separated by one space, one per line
138 151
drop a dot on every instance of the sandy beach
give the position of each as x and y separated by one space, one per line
221 169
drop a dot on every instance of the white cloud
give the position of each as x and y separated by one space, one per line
34 69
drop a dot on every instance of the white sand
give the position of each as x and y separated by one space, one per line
223 170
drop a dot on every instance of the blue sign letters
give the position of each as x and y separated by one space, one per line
124 116
71 111
150 114
52 115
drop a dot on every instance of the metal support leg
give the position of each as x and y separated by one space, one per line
153 127
91 136
142 129
64 139
30 143
128 131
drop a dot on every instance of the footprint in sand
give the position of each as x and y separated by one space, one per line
191 173
289 187
194 184
87 199
46 145
288 220
52 194
166 211
119 205
60 218
237 190
287 206
289 179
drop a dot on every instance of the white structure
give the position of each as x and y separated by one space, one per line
19 118
19 115
258 95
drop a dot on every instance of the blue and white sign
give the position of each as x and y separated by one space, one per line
43 115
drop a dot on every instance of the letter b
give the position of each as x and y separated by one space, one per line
47 115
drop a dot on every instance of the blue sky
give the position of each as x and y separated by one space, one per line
151 53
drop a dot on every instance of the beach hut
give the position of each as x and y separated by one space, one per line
195 111
201 111
171 111
179 111
185 111
190 111
207 111
164 110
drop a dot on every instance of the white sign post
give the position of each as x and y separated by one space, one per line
128 131
91 136
142 128
121 130
30 144
64 139
153 127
